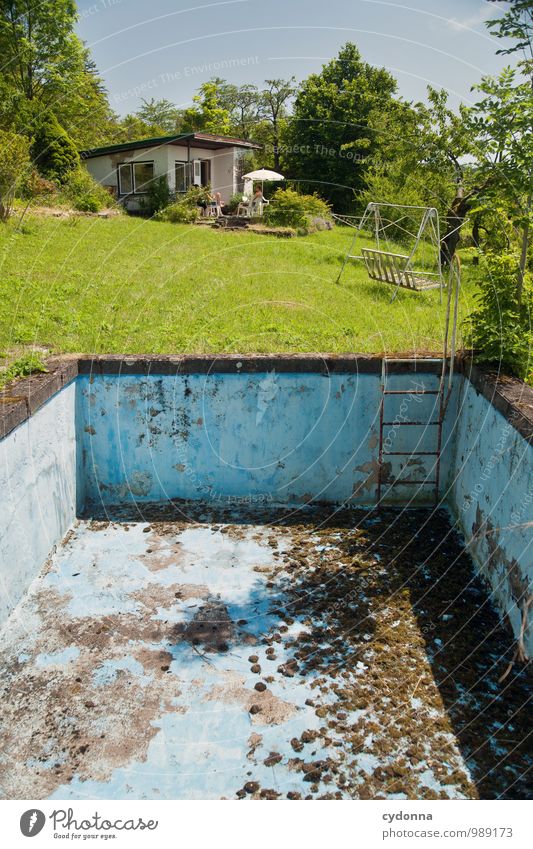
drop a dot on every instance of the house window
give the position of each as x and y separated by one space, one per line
125 180
135 177
182 174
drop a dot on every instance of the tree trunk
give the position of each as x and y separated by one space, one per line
275 140
476 236
454 222
523 252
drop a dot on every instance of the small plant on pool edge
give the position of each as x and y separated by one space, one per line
24 366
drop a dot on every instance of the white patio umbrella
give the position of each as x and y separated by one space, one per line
263 174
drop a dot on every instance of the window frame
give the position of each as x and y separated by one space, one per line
132 172
186 170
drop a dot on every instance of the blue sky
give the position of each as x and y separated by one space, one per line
167 48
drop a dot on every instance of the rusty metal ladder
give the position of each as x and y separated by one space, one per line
443 392
436 421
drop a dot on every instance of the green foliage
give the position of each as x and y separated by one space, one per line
234 202
158 196
500 328
210 112
160 116
290 209
274 100
14 162
30 363
34 187
186 209
516 23
47 68
84 193
53 151
328 137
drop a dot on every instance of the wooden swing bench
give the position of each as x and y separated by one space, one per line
394 268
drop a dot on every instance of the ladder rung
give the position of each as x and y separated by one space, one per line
411 391
418 424
410 453
407 483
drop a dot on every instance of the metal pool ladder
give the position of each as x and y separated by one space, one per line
439 409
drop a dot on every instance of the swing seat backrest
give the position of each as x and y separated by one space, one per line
386 267
394 268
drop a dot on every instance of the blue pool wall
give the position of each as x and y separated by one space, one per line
268 437
260 431
489 491
38 483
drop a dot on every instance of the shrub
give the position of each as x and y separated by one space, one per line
53 150
185 210
178 213
34 186
234 202
14 160
158 196
500 329
290 209
84 192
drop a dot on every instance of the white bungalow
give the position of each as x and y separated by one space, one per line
198 159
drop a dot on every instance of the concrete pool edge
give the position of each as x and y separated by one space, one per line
18 401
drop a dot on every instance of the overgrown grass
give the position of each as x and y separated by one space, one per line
131 285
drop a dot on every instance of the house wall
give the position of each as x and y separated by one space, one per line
37 493
224 173
104 168
164 157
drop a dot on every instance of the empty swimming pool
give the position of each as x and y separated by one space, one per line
203 596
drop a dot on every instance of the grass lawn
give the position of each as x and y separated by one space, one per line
127 285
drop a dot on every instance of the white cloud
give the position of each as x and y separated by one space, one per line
472 21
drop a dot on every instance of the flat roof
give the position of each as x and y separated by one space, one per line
205 140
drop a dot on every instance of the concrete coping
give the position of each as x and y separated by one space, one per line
19 400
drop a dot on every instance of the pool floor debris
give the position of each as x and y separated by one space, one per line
314 654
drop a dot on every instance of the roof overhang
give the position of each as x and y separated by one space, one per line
208 141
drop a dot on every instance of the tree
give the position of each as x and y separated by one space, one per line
502 123
53 151
274 100
160 116
210 112
46 68
517 23
246 110
427 155
328 135
14 161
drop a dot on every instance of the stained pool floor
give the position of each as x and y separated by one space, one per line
302 655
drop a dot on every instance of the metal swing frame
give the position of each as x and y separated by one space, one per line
394 268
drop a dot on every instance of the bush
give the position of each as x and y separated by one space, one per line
290 209
84 192
500 329
14 161
34 186
234 202
158 196
186 209
53 150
